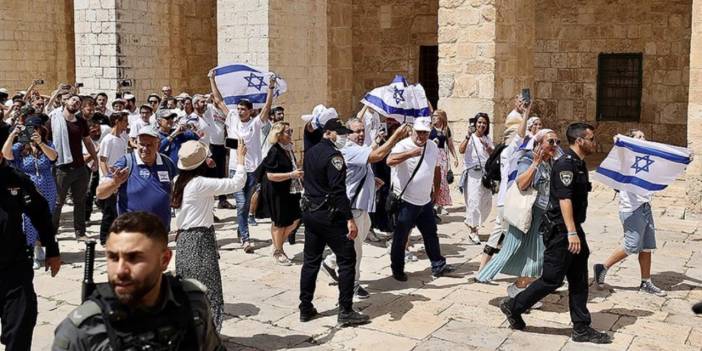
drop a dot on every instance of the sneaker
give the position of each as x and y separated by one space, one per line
600 274
80 236
410 256
39 253
252 221
474 238
36 265
444 212
513 290
224 204
373 237
537 305
515 320
306 316
351 317
248 247
591 335
360 292
648 287
447 268
291 238
401 276
331 272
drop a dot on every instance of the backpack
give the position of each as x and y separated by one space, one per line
172 169
491 175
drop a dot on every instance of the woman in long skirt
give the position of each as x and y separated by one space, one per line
476 147
522 253
193 198
441 135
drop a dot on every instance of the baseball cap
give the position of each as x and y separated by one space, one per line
422 124
147 106
148 130
129 97
118 101
336 126
166 114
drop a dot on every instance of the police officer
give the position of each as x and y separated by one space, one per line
566 251
18 302
328 221
140 308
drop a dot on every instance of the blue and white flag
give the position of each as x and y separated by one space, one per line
399 100
640 166
239 81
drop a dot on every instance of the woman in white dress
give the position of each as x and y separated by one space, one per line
476 148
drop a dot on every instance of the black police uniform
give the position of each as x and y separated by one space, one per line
182 320
325 219
18 302
569 180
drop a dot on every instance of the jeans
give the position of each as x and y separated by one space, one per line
76 180
94 180
423 217
109 213
243 202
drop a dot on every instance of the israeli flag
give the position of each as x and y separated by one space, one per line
399 100
641 167
239 81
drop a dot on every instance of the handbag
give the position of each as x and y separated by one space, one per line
449 176
518 204
392 201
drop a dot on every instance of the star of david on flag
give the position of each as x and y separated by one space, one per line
641 167
399 100
240 81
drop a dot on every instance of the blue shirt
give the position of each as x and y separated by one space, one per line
147 189
357 166
171 148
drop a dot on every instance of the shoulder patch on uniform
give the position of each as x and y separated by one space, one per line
566 177
83 312
337 162
193 285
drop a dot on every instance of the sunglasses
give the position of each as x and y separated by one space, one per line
553 142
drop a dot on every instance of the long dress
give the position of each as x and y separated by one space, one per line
39 170
281 200
478 199
441 140
522 255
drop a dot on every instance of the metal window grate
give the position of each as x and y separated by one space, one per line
619 84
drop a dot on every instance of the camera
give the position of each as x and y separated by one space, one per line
25 135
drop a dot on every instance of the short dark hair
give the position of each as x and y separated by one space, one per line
86 99
117 116
277 109
140 222
101 94
246 103
577 130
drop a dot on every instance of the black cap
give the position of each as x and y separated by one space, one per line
336 126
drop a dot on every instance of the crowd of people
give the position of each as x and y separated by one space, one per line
370 178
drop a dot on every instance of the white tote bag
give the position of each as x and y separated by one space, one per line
517 211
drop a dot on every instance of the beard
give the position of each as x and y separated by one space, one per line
138 289
72 110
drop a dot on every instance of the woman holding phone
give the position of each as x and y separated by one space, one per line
476 149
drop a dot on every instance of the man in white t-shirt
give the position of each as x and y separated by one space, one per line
241 125
215 130
112 148
146 119
417 194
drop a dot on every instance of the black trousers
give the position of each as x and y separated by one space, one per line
559 263
92 188
321 232
219 155
109 213
18 307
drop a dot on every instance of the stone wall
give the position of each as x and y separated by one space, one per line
340 56
387 35
36 41
571 34
242 32
298 52
694 112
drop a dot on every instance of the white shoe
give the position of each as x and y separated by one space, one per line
410 256
474 238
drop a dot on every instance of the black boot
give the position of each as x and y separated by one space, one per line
351 317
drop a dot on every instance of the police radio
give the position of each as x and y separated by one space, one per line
88 285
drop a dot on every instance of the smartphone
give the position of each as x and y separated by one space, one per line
526 96
384 128
231 143
472 129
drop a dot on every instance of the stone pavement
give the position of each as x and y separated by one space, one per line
424 314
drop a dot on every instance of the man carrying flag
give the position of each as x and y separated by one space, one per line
637 168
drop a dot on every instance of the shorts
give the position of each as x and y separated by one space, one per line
639 230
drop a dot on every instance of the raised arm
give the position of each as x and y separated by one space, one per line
216 95
526 109
397 158
380 152
265 111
